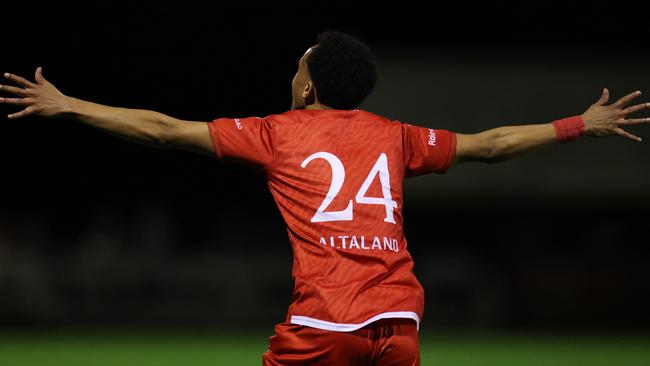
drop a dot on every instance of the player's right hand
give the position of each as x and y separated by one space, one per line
39 99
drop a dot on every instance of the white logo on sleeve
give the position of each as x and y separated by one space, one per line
432 137
239 125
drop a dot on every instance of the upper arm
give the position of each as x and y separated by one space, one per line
427 150
190 136
472 147
249 141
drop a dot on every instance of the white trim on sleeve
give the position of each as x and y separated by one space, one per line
341 327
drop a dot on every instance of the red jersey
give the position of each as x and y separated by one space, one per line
336 176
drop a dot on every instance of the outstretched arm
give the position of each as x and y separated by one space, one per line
154 129
504 143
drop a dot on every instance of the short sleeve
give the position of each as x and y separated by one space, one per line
243 140
427 150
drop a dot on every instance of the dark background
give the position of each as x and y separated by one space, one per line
96 231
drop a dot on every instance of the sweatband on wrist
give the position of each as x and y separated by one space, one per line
568 129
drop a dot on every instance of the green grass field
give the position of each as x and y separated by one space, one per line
184 349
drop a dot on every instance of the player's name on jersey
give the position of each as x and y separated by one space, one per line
361 242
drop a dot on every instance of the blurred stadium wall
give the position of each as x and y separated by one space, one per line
96 231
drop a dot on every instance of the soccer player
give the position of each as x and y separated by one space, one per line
336 174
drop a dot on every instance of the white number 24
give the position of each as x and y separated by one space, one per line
338 176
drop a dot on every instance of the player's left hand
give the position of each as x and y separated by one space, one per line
608 120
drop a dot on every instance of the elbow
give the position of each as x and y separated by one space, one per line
165 132
487 147
496 150
491 153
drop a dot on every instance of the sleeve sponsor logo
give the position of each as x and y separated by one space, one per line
432 137
239 125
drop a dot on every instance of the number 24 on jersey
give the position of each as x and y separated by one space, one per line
338 177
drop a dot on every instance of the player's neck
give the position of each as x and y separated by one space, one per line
317 106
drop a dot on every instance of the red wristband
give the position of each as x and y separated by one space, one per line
569 129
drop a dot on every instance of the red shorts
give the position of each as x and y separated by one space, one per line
384 342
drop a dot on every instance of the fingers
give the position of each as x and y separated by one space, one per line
626 99
15 101
621 132
19 80
603 98
636 108
13 90
634 121
25 112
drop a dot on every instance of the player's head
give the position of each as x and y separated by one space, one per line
338 72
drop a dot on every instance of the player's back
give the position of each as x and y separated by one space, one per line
337 177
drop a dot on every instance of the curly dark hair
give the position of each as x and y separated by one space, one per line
343 70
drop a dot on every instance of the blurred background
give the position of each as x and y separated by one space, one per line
98 234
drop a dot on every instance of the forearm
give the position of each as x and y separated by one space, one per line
505 143
141 126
